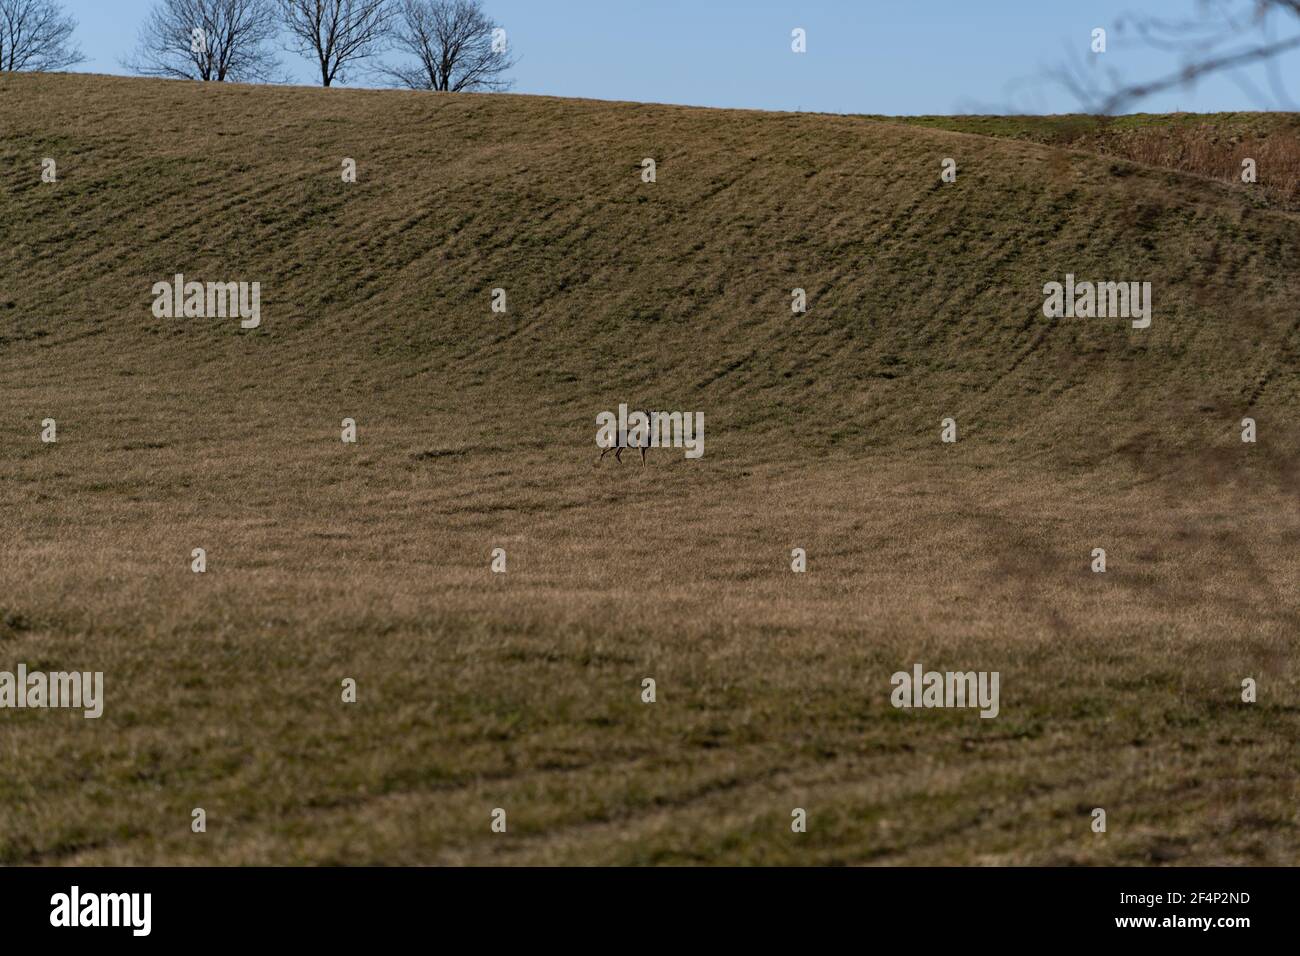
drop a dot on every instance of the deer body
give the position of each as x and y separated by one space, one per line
628 442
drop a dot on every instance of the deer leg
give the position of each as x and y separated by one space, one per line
618 455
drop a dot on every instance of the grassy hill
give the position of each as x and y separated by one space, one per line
476 431
1213 146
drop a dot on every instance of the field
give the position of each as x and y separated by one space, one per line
1211 146
522 690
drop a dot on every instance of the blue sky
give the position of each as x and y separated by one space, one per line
864 56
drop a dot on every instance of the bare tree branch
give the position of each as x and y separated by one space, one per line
1225 36
338 34
456 47
211 40
35 35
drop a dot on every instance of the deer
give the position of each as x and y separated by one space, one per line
618 448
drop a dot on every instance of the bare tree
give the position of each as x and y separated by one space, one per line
1219 36
216 40
337 33
35 35
457 48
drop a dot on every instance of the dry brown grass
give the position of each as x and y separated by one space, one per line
1206 151
1212 146
476 431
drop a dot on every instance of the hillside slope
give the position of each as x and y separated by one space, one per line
522 690
925 299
